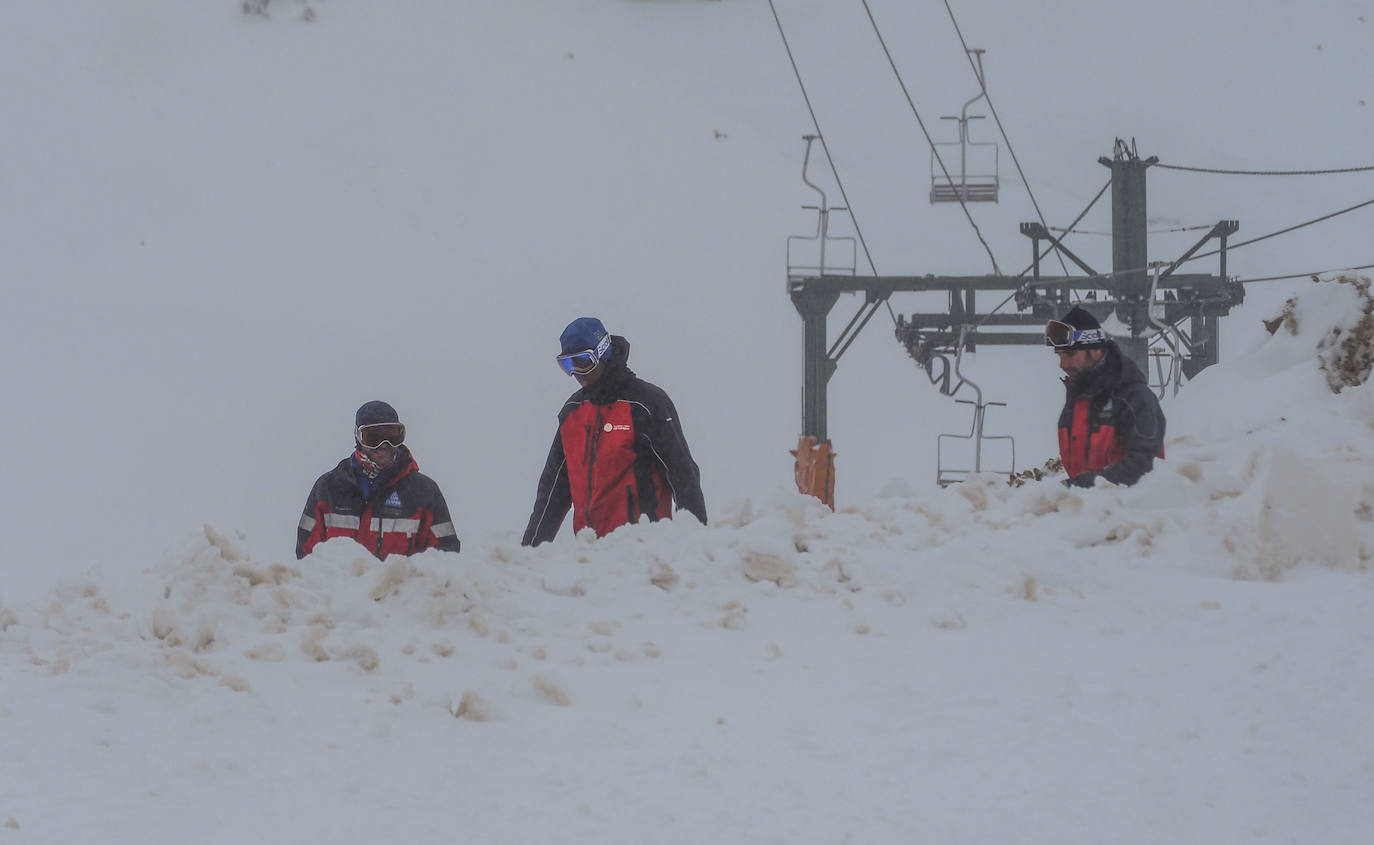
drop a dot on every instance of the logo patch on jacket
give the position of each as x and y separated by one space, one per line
608 427
392 505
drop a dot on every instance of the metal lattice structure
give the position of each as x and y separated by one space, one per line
1166 314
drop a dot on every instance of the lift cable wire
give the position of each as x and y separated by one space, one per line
1284 231
1115 273
824 146
1313 274
900 82
1152 231
1000 128
1264 172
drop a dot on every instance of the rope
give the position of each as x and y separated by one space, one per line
1284 231
1000 128
824 146
1313 274
1265 172
876 31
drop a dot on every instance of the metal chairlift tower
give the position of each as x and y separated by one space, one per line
970 187
1153 306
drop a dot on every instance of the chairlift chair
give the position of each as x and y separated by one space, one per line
981 185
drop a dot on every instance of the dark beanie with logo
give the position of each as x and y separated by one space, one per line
1081 319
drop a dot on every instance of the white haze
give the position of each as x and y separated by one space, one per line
224 232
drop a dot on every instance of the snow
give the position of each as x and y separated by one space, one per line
226 232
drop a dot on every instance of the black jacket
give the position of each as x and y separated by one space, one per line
1111 425
405 513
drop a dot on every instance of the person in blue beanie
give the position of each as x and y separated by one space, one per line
619 453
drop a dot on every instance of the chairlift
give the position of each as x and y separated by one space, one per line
982 184
812 260
944 475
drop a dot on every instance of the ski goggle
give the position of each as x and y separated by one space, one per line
1061 335
377 434
581 363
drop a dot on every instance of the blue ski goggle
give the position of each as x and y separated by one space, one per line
581 363
1061 335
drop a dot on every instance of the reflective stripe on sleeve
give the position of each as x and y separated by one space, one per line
307 523
444 529
339 520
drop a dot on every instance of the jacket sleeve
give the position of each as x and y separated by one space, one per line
552 499
442 534
311 528
670 444
1140 425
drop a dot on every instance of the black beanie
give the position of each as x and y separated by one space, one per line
1081 319
375 412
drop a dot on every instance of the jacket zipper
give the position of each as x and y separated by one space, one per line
591 447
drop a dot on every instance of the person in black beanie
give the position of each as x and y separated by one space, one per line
377 495
619 452
1111 426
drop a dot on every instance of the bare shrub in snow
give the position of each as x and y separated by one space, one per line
549 690
7 618
1191 470
663 576
443 648
1287 318
761 566
311 646
235 683
474 709
187 665
1347 354
365 656
275 575
266 653
392 575
164 621
950 622
227 550
734 615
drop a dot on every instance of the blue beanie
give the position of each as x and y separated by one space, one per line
375 412
585 333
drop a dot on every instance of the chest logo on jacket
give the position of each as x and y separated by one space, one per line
609 427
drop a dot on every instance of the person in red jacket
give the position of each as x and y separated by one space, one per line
619 453
1111 426
377 495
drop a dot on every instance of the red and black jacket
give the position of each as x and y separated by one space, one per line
1111 425
404 514
619 454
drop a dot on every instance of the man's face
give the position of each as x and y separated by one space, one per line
382 456
590 378
1076 362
